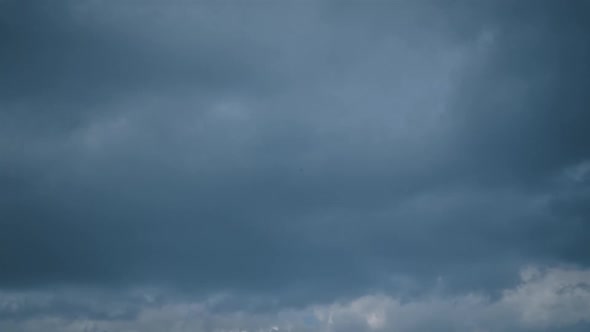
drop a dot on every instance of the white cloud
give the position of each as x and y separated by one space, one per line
551 298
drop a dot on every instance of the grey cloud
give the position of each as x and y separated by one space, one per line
544 299
523 111
297 154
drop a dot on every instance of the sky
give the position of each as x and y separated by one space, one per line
312 165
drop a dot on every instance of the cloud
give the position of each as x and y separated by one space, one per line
301 154
545 298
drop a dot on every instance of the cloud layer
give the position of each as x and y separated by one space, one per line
550 299
293 156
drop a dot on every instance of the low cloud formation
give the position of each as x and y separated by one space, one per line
274 163
545 299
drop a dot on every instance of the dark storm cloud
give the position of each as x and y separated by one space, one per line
523 112
61 63
522 119
305 152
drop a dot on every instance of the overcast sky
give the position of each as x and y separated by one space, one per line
273 165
